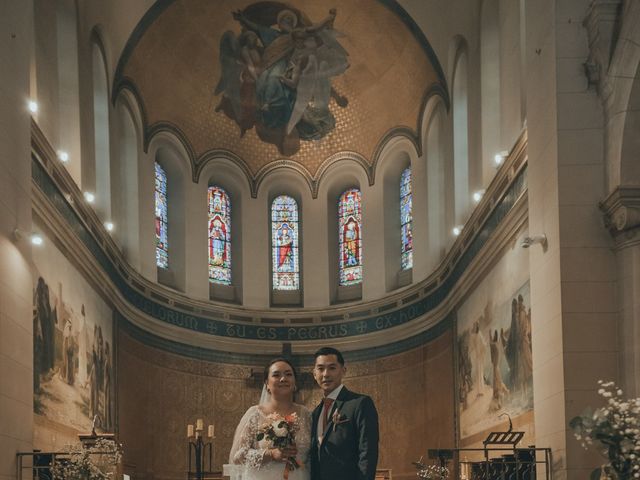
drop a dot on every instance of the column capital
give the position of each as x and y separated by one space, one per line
621 211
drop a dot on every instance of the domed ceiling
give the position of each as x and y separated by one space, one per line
263 81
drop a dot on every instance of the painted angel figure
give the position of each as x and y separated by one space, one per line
285 64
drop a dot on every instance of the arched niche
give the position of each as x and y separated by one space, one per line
341 176
437 183
101 127
126 196
289 182
168 151
225 173
397 156
460 117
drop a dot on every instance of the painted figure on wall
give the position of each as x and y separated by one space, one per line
276 74
70 368
495 371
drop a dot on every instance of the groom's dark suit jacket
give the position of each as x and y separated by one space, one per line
349 448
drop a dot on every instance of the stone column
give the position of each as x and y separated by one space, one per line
622 218
16 324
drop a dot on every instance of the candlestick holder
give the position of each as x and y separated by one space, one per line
199 451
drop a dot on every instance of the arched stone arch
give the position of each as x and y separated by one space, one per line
621 91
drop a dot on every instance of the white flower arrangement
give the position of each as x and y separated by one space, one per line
615 428
97 462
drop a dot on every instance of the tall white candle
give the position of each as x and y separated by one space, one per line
211 431
199 424
189 431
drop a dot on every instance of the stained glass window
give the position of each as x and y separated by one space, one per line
162 238
284 244
406 219
350 237
219 227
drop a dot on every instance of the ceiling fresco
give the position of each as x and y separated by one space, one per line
265 81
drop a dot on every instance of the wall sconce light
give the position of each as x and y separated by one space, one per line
34 238
32 105
477 196
500 157
89 197
109 226
533 240
63 156
457 230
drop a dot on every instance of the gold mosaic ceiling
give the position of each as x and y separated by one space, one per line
173 63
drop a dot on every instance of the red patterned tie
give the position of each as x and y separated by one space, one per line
325 412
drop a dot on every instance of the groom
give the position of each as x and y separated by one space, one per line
344 427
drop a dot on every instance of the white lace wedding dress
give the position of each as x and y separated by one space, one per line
247 454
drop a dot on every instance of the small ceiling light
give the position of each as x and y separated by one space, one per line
500 157
63 156
89 197
109 226
456 230
477 196
36 239
32 105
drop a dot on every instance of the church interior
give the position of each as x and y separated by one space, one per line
447 191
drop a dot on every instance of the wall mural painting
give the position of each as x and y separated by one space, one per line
494 351
495 368
276 73
73 375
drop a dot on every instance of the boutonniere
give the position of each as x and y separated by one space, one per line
337 419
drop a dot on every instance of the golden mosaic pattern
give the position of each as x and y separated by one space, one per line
175 68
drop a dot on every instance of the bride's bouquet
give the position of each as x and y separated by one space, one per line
281 433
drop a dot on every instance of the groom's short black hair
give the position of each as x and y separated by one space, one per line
330 351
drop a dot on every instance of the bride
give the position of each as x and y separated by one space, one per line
258 459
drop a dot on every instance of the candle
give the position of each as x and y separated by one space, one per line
211 431
199 425
189 431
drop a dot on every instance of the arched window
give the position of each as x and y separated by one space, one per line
350 237
219 225
285 260
406 219
461 140
162 238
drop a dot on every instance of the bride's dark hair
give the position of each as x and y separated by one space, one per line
276 360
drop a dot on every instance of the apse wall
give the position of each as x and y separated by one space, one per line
160 393
449 344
